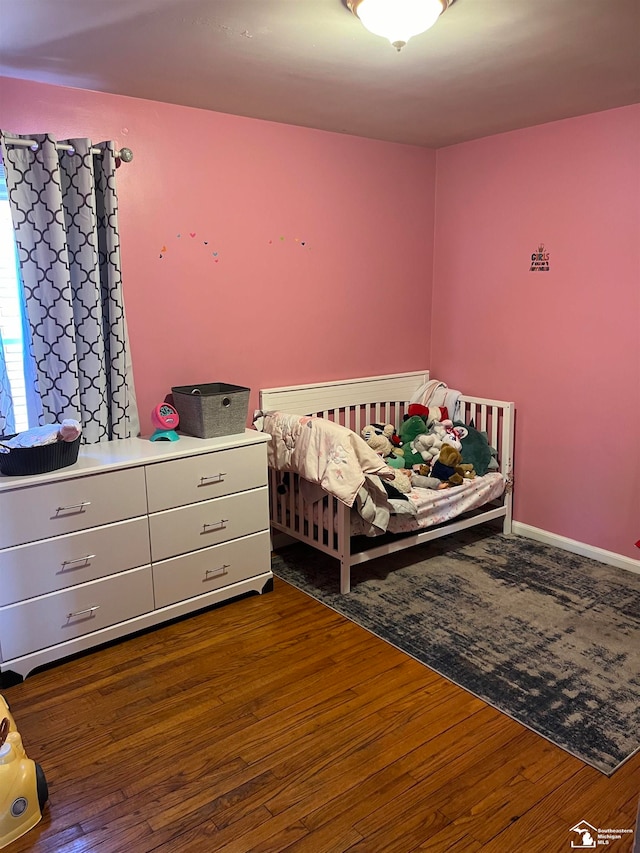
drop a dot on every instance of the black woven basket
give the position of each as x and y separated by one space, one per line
20 461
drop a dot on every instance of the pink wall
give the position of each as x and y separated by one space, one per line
357 298
264 311
563 344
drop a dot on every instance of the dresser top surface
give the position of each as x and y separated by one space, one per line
125 453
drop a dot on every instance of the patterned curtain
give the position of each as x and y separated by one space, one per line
65 218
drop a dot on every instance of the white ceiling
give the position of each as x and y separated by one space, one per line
487 66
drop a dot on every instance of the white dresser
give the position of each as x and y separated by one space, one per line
135 533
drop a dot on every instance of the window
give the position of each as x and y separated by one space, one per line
10 311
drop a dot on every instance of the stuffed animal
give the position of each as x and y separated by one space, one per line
428 446
428 413
394 437
409 430
424 481
399 485
449 467
401 481
441 432
448 433
378 437
476 450
424 446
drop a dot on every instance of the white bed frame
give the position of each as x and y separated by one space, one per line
355 403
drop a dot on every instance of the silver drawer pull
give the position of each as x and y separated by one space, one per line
217 525
71 563
217 478
80 507
216 573
89 610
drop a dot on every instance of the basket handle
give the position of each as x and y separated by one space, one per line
226 401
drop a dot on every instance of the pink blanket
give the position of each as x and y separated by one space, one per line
325 453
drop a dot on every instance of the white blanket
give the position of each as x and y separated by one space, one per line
436 393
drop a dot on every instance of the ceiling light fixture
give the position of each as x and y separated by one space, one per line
398 20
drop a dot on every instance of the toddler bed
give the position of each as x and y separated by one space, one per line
328 513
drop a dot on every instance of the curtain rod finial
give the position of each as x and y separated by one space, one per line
126 155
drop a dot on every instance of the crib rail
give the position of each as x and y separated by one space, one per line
495 417
320 397
315 524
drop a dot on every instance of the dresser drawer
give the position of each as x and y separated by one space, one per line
61 616
52 564
177 531
40 512
212 568
206 476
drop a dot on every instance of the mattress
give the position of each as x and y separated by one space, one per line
429 507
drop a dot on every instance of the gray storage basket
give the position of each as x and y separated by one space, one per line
212 409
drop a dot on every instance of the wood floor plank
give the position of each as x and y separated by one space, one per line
332 838
453 839
381 781
274 725
540 835
360 797
416 826
597 796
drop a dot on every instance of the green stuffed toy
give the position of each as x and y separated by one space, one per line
476 450
409 430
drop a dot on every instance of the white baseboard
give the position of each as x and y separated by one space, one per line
599 554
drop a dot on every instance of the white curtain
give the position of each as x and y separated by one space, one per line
65 217
7 422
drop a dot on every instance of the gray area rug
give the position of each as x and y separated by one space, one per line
547 637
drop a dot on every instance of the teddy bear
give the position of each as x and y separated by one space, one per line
428 446
449 467
379 439
441 432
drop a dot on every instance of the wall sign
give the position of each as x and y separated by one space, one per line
540 260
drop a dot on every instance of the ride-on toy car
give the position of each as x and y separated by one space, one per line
23 787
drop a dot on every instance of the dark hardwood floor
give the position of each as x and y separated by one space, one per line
274 724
